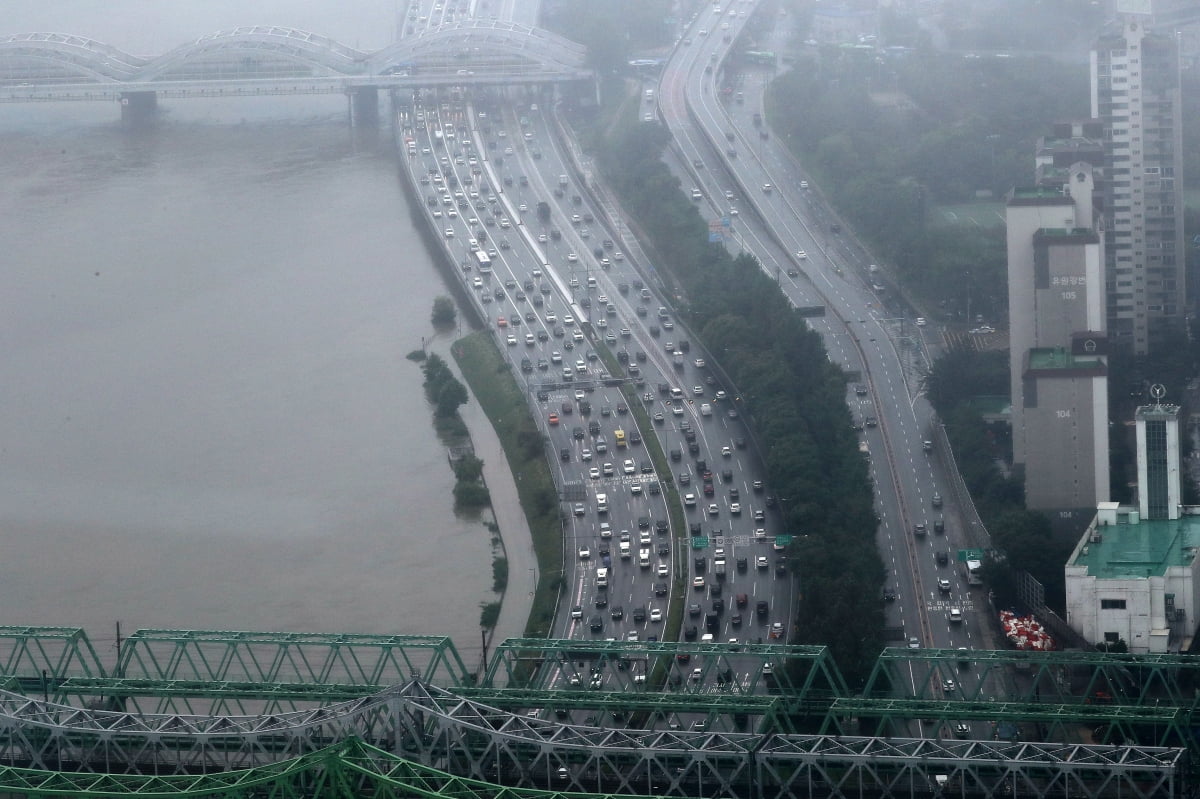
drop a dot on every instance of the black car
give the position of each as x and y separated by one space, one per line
701 564
660 526
690 633
643 523
742 564
601 600
564 454
596 624
715 590
660 589
618 612
664 549
639 613
762 607
694 609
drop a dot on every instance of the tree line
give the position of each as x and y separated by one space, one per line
793 394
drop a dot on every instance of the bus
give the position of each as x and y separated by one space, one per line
760 57
974 572
485 263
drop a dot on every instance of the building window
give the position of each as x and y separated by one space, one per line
1112 638
1112 604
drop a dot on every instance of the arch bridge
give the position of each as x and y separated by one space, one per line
275 60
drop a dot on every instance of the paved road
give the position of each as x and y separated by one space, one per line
781 219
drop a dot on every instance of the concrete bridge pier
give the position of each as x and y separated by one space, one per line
138 106
364 105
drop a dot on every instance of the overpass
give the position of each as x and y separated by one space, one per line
267 60
193 712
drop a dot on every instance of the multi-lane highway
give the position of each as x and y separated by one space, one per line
555 286
736 164
564 286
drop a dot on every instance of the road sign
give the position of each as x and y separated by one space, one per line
783 540
969 554
715 237
699 542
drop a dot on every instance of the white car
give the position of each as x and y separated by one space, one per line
698 581
572 257
594 473
628 466
801 255
584 553
689 500
762 562
699 363
663 570
449 232
698 391
586 454
656 614
714 510
735 508
608 470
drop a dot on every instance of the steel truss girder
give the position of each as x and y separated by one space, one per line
799 672
871 766
281 657
464 737
204 697
1165 725
645 710
1057 676
36 653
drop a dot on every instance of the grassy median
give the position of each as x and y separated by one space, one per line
507 407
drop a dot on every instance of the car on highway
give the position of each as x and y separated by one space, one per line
944 585
584 553
656 614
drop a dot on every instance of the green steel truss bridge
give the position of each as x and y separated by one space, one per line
212 713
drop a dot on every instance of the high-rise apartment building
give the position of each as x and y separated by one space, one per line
1057 342
1136 98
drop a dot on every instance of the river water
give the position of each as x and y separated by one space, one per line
206 417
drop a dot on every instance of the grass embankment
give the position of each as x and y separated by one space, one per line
492 384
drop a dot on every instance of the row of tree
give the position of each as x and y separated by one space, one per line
792 394
892 139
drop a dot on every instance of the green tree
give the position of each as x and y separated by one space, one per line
444 312
450 397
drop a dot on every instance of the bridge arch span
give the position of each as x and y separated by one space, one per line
482 40
64 57
255 51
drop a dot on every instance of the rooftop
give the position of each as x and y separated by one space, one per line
1058 358
1142 549
1039 195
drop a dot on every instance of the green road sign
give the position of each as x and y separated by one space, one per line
969 554
783 540
699 542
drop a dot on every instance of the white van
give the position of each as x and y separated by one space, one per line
623 548
602 577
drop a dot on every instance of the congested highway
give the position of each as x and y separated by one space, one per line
556 287
740 172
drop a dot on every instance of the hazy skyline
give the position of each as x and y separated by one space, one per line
145 28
